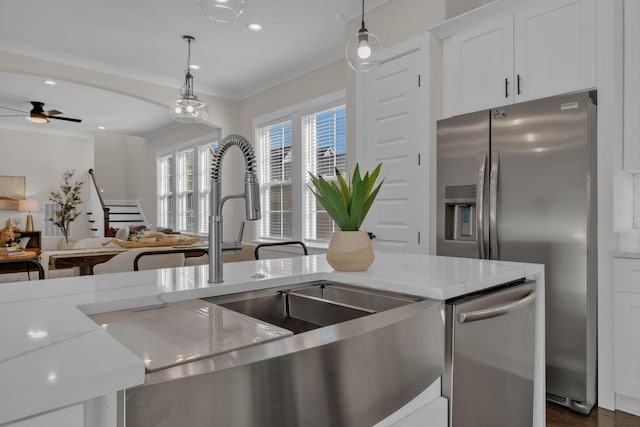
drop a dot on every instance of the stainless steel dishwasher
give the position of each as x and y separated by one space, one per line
489 356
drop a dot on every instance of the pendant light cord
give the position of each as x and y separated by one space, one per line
362 15
188 53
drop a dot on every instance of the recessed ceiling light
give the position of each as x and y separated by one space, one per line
49 82
101 127
38 334
194 66
254 27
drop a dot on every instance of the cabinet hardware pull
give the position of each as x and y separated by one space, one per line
518 84
496 311
506 87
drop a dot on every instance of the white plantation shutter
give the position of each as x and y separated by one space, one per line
275 177
165 193
205 154
184 186
50 229
326 148
184 190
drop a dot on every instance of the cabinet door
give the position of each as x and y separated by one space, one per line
627 344
478 68
555 44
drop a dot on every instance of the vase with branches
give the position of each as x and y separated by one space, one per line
68 200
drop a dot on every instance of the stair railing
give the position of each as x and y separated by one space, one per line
103 207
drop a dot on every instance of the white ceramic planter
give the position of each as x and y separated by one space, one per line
64 245
350 251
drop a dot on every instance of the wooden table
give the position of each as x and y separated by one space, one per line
87 259
12 263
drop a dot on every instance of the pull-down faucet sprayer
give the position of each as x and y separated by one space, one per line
251 197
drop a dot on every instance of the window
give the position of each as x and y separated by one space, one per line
184 181
165 193
276 175
205 156
310 138
184 186
326 152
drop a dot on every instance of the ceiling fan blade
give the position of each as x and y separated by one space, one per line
68 119
51 113
13 109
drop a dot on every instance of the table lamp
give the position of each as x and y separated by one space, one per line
28 205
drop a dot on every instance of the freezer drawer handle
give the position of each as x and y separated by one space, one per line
496 311
480 207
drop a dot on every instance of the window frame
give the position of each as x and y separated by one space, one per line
295 114
211 138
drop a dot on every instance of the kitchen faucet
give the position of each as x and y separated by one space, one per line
251 197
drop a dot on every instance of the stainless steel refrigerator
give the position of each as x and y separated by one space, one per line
518 183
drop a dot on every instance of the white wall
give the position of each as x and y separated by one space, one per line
42 158
110 165
457 7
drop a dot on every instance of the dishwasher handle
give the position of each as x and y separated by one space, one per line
498 310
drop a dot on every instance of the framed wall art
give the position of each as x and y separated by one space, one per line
12 190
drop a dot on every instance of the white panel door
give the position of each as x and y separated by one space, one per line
478 68
395 133
555 44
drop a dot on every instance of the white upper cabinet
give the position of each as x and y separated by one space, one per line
545 49
478 68
555 48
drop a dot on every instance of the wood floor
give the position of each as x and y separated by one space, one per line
560 416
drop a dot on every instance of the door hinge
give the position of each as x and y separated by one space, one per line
418 237
419 80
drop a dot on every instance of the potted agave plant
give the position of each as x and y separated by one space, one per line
348 203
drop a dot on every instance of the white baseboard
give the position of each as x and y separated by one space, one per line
627 404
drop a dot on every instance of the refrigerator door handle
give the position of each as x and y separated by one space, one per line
498 310
480 206
493 205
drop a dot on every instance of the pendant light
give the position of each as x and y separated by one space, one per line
364 50
188 109
222 10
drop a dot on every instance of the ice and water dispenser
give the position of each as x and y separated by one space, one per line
460 212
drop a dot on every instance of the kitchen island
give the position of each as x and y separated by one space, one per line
53 356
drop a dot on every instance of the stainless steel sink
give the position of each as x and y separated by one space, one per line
355 357
302 309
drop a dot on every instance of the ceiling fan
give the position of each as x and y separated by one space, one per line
38 115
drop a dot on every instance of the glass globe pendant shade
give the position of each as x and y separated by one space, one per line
364 50
222 10
187 110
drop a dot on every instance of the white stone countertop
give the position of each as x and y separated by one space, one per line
53 355
632 253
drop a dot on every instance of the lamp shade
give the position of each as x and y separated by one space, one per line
222 10
28 205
